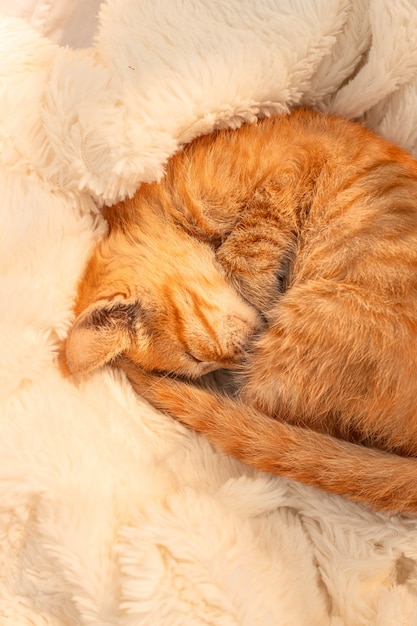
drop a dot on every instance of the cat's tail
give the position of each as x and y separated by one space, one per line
384 481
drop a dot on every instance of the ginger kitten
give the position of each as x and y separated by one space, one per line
286 250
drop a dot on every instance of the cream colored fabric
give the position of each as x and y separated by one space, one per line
66 22
111 513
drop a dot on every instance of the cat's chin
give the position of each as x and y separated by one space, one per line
220 380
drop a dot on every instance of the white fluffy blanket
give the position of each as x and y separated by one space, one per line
111 513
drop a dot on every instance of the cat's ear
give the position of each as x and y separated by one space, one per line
100 333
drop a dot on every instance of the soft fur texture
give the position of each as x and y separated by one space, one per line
110 512
312 220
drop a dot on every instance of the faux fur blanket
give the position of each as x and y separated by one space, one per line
111 513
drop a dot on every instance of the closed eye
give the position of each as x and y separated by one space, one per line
194 358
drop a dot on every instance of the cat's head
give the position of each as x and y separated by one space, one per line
160 299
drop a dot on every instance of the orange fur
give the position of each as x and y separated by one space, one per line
310 220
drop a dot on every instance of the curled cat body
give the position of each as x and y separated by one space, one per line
287 251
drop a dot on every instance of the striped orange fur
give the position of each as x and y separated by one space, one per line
286 250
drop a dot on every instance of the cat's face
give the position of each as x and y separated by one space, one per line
161 301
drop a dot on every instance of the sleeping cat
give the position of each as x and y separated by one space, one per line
286 250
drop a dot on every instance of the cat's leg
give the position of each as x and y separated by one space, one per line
259 253
325 363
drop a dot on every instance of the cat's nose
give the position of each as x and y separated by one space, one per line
248 323
239 333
